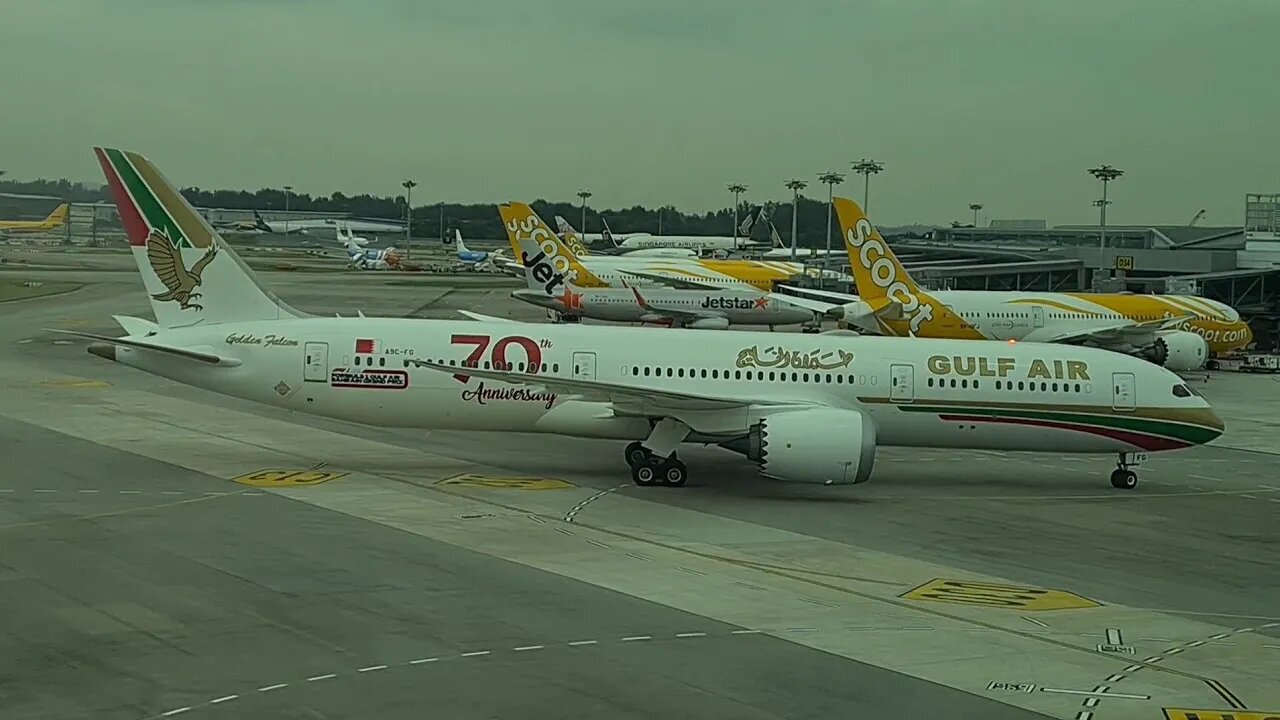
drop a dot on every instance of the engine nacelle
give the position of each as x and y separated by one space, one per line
823 446
1180 350
710 323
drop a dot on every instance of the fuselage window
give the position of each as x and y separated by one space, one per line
737 374
704 372
646 371
1020 384
1077 387
668 372
772 376
715 374
635 370
1044 387
930 382
795 377
839 379
1055 387
748 374
997 384
975 384
806 377
680 372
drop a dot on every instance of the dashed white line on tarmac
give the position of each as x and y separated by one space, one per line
224 698
269 688
577 643
318 678
371 668
476 653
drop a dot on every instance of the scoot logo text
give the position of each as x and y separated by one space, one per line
884 273
548 266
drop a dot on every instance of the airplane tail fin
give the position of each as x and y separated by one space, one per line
457 242
571 237
538 249
190 274
880 277
607 234
59 216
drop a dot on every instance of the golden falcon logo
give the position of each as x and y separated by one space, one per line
166 262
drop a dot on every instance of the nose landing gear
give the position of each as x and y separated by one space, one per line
1122 477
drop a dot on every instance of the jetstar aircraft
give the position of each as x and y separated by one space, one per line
1176 331
808 409
713 309
55 220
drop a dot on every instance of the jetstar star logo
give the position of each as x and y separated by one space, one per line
571 300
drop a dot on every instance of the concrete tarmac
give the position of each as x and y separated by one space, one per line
1176 580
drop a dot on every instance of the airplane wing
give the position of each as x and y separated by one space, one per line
818 306
627 399
679 283
489 318
206 358
834 297
1123 330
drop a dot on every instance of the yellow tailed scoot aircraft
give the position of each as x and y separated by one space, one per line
56 219
1176 331
622 271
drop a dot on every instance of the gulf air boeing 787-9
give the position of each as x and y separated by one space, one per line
805 408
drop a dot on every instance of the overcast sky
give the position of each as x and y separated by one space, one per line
1004 102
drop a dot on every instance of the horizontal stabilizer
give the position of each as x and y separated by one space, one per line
153 347
136 327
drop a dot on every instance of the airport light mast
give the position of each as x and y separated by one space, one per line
737 189
584 194
287 189
831 178
866 168
408 186
975 207
795 186
1106 174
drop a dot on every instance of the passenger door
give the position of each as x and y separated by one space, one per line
584 366
902 383
316 367
1123 391
1037 316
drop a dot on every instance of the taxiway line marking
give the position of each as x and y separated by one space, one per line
269 688
1034 621
1096 694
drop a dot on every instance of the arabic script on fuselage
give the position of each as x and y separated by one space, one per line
780 358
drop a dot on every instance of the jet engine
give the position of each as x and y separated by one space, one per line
823 446
1179 350
710 323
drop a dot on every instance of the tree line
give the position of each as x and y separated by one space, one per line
478 220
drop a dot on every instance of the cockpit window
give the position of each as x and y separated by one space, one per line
1182 391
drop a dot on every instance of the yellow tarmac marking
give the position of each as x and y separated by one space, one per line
286 478
506 483
1010 597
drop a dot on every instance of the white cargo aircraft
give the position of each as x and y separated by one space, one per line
807 409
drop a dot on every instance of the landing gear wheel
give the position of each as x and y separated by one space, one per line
644 474
673 472
1124 479
636 453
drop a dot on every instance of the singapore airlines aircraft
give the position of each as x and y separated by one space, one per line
613 271
713 309
807 409
55 220
1176 331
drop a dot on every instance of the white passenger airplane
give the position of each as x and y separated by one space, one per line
807 409
712 309
1176 331
362 257
570 237
308 225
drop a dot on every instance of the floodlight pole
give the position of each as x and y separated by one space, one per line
795 185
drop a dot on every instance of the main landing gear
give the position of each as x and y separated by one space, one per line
1124 478
653 461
